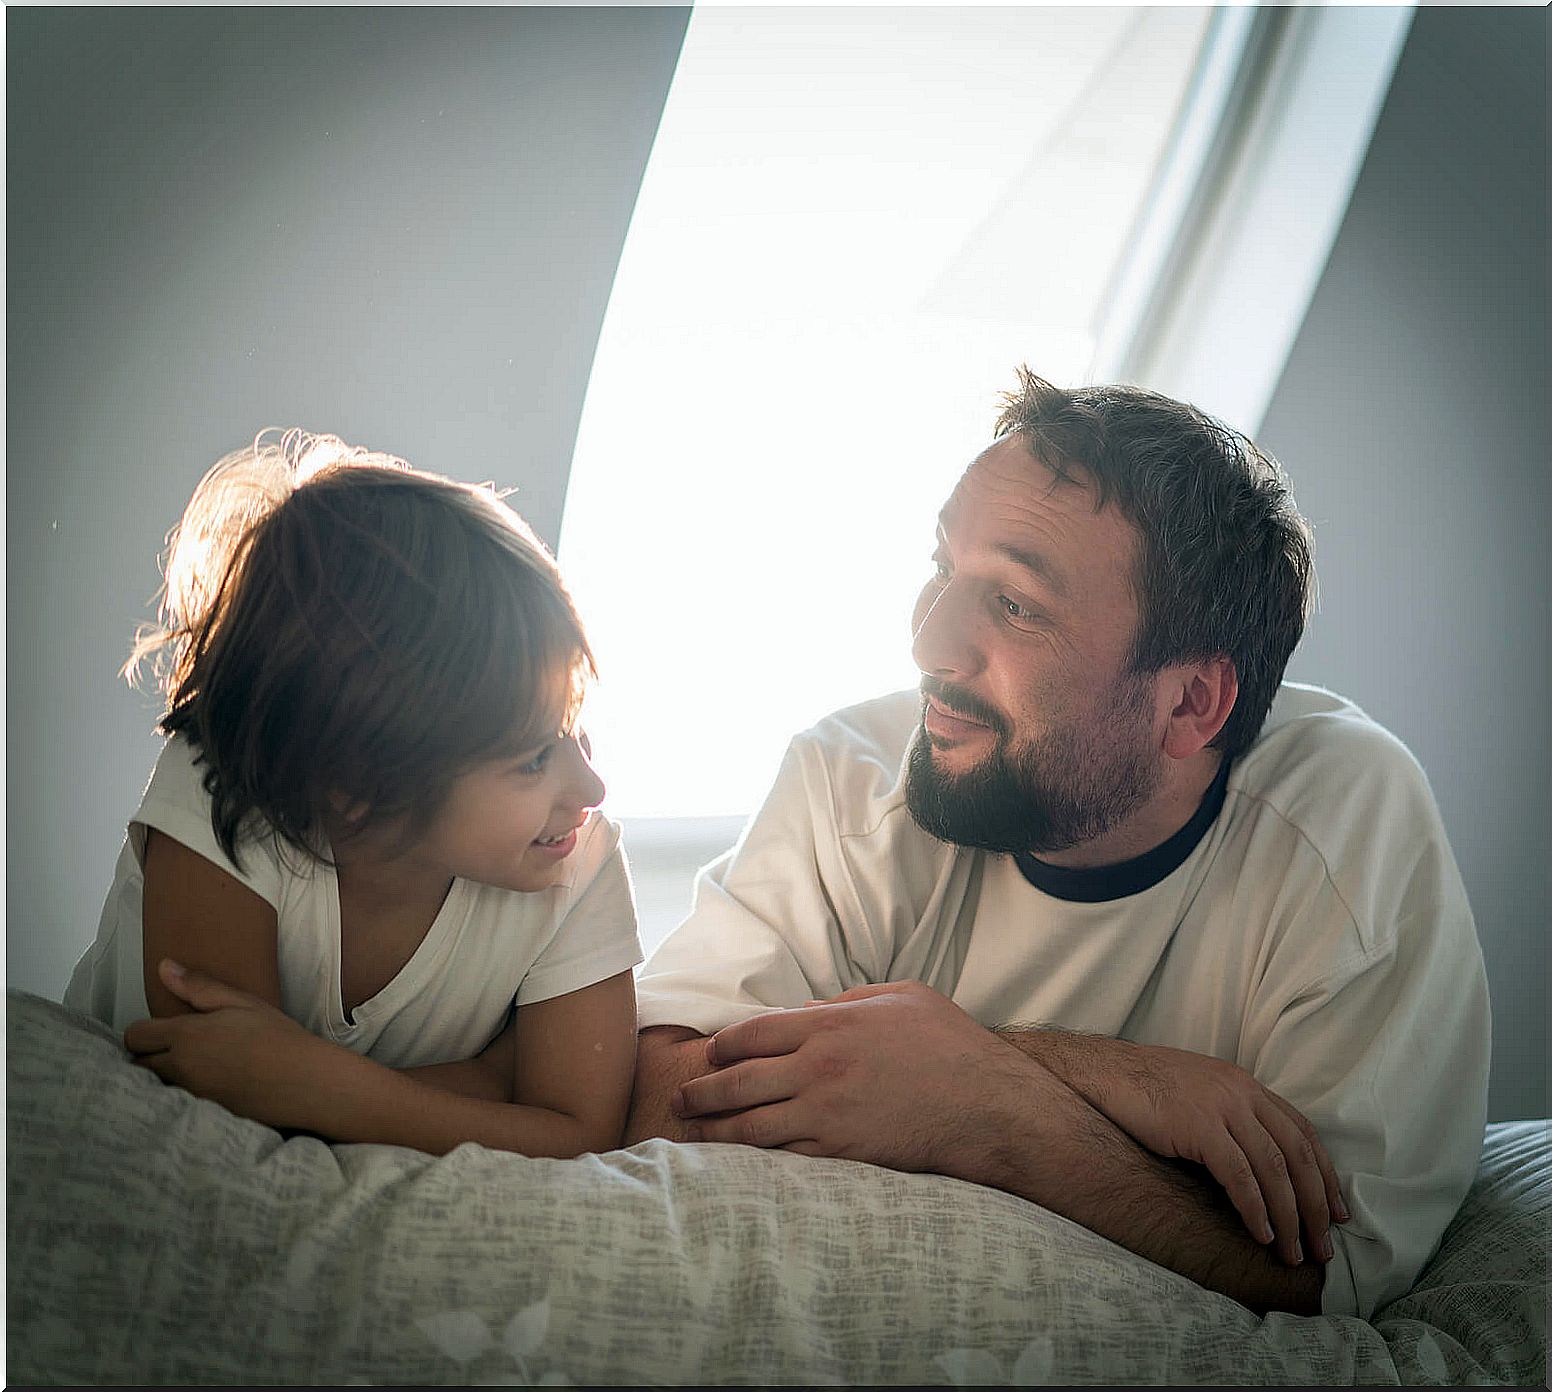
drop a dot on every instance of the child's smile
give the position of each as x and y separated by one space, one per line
512 823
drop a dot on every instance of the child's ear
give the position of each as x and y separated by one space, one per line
351 813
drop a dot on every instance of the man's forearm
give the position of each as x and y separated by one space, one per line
667 1056
1080 1060
1016 1126
1049 1145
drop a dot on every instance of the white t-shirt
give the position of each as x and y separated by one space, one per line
1317 935
486 948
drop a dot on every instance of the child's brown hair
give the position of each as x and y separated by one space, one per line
340 631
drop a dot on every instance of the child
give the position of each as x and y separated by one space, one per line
368 837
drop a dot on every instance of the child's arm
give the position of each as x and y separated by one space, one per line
572 1087
488 1074
198 914
205 917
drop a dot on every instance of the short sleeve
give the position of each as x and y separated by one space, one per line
1387 1055
595 933
177 805
763 931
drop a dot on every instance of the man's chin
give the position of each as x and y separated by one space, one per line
934 779
967 799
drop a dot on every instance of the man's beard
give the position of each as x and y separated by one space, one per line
1072 786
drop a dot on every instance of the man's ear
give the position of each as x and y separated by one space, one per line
1204 694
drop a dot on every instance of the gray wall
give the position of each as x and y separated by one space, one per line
1412 418
399 225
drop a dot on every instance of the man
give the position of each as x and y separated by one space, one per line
1103 916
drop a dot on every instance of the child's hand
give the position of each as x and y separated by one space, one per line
236 1049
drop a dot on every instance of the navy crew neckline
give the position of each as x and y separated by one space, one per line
1100 883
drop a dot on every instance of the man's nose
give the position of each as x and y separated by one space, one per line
944 641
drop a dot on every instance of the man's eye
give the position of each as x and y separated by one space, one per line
1014 610
940 571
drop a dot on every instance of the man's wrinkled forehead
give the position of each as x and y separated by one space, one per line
1009 475
1013 548
1011 463
1050 523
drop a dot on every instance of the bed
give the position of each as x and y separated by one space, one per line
154 1238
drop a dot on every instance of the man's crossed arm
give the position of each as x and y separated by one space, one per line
1091 1128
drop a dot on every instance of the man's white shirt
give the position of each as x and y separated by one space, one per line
1317 935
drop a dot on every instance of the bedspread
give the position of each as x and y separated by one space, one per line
153 1237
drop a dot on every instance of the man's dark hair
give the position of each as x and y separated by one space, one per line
1225 562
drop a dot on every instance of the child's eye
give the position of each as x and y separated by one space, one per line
537 763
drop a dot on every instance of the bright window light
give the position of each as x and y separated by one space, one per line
853 225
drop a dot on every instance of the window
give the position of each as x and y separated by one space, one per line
853 225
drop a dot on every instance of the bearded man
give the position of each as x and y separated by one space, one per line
1106 915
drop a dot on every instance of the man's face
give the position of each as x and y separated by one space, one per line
1035 734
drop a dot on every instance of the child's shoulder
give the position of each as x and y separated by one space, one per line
178 777
176 803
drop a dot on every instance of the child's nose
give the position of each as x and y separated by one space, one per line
590 787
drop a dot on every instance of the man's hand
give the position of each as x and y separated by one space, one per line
1261 1149
881 1073
235 1049
898 1075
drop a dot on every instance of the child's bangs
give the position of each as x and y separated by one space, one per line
552 706
542 684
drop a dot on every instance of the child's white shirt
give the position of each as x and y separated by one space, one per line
486 948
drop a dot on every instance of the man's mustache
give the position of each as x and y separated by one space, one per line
963 703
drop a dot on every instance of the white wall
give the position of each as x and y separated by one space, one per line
1412 416
396 224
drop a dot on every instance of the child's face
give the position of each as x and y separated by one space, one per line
512 823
